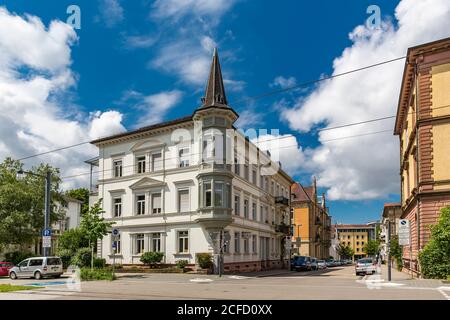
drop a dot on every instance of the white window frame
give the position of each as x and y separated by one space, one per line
117 166
186 238
237 242
114 205
139 162
184 158
153 194
246 208
152 154
136 201
138 240
154 238
238 207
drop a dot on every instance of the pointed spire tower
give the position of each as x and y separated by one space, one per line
215 90
215 96
212 120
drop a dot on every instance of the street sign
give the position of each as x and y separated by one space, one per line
114 245
404 232
46 241
47 232
288 244
115 232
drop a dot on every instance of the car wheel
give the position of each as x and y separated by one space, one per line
37 275
13 275
373 272
57 276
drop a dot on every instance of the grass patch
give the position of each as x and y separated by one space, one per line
87 274
10 288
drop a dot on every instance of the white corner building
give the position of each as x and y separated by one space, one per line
193 185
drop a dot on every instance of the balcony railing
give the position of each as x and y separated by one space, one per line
282 228
282 201
318 222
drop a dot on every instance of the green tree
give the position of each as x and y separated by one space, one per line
94 226
22 202
72 240
372 247
396 252
81 194
435 257
345 252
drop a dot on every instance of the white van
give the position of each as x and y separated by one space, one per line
37 267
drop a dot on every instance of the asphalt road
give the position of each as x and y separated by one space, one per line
335 283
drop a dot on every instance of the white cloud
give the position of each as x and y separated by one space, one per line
283 82
366 167
152 108
249 118
34 77
283 148
105 124
139 41
111 12
186 59
178 8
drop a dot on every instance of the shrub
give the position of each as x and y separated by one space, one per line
434 258
99 263
182 264
204 260
82 258
66 256
72 240
152 258
87 274
17 256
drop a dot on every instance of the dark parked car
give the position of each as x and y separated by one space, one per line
301 263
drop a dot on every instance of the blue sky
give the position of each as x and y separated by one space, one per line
147 58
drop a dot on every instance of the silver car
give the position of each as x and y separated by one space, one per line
37 267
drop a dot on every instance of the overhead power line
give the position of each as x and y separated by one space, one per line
308 83
305 84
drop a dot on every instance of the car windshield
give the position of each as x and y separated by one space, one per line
320 261
300 258
365 261
53 261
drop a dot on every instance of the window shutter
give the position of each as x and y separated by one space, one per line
183 200
156 202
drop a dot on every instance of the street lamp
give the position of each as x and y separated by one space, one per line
47 178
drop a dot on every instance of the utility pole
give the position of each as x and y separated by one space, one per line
48 178
389 250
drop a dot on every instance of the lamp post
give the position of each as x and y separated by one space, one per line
47 199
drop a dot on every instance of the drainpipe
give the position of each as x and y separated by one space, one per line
416 73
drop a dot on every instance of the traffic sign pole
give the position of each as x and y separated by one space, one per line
46 249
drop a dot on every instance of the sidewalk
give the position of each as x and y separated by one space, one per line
262 274
404 278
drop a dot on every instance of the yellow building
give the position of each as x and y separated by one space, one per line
355 236
311 222
423 127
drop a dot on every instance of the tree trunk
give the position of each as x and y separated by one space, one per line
92 257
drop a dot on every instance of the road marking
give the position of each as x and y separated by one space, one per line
239 277
441 290
200 280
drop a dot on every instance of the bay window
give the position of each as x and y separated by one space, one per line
215 193
218 194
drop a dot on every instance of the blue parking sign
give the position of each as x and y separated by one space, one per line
47 232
